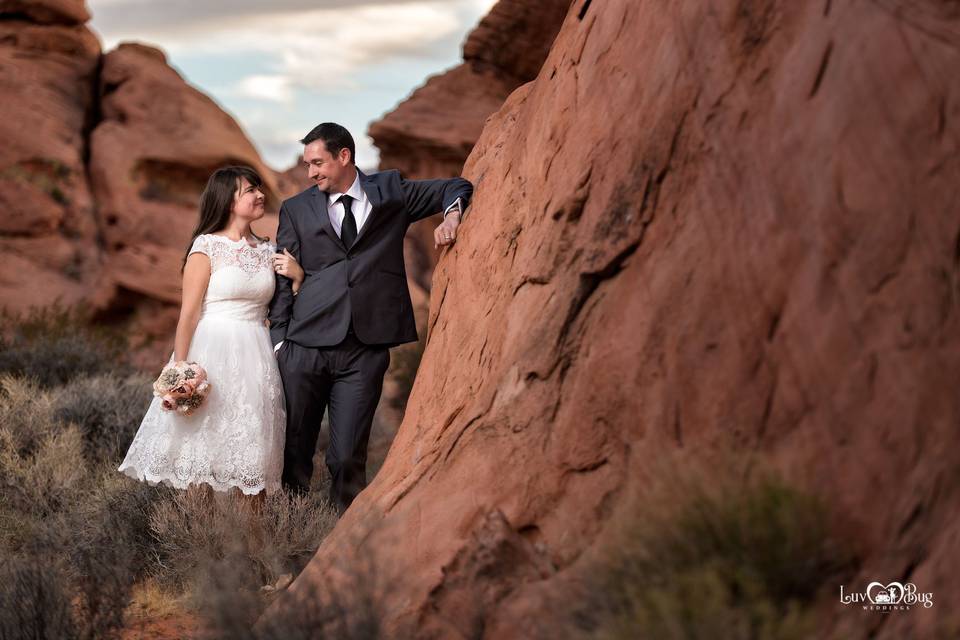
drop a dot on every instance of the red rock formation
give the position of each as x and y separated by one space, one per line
100 174
103 217
157 143
50 12
431 133
704 225
47 230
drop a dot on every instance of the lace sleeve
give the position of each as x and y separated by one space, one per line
200 245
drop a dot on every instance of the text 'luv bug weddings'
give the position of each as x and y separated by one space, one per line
893 596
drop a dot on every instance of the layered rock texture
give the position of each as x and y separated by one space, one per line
48 70
702 227
431 133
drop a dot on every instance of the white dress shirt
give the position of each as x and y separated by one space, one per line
360 206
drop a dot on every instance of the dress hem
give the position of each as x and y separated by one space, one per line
172 481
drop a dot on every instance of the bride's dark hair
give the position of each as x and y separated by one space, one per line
216 201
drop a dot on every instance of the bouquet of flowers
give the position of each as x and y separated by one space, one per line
182 386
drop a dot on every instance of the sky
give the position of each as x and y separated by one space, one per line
279 67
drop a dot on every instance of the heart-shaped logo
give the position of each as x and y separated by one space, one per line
885 594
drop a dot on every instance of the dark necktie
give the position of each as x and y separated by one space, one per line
348 230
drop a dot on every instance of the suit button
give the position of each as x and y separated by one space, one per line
349 257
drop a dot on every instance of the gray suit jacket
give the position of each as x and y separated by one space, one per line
367 284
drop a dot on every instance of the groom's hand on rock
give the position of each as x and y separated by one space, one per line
446 233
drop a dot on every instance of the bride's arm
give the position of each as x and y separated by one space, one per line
196 275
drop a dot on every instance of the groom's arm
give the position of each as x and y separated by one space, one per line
281 306
423 198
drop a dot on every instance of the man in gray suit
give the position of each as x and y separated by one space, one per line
333 337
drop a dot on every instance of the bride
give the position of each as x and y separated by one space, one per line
235 438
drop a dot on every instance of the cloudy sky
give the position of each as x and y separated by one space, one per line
282 66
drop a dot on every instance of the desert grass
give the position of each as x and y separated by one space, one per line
54 345
718 556
85 550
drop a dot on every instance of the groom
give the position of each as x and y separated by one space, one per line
333 336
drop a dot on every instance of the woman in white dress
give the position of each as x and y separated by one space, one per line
235 439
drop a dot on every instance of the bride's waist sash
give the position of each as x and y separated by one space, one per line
233 310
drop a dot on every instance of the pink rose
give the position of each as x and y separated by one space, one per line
186 388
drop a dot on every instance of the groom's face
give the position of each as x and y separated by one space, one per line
332 173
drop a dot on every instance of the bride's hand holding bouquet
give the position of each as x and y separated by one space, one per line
182 387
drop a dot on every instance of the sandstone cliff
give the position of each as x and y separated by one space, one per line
431 133
49 62
704 226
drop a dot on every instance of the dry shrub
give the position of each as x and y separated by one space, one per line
42 467
77 537
350 610
55 345
717 557
108 410
149 601
259 538
111 547
404 363
33 601
81 523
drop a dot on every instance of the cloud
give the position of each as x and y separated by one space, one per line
318 49
134 16
277 66
262 87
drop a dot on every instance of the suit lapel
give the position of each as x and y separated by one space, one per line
373 195
320 207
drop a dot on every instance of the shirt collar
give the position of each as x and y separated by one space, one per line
354 191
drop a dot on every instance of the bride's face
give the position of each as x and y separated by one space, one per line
248 201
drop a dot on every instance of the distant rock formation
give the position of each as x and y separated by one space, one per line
101 171
156 142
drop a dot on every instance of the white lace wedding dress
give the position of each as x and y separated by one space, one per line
235 439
